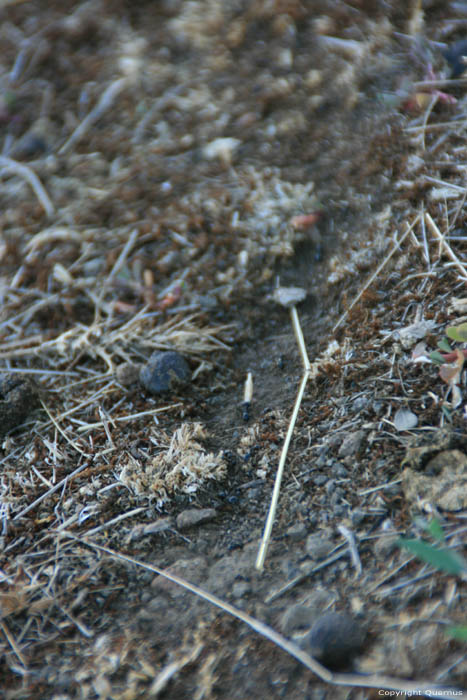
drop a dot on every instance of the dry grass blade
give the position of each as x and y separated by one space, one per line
50 492
27 174
285 448
168 672
63 434
435 230
341 679
12 643
131 417
280 471
105 102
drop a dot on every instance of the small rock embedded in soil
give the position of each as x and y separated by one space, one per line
318 546
335 639
351 443
240 589
19 395
296 532
194 516
164 372
128 373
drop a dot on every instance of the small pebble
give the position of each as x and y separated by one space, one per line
335 639
195 516
127 373
296 532
240 589
405 419
164 372
318 546
339 470
352 443
359 404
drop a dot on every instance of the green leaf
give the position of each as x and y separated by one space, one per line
442 559
437 358
458 632
457 333
435 530
444 345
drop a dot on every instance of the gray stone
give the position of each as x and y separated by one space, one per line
164 372
194 516
359 404
240 589
351 443
339 470
127 373
318 546
296 532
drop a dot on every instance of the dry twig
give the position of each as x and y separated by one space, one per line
105 102
443 242
25 172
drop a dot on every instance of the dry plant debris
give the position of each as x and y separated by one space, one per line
183 465
162 163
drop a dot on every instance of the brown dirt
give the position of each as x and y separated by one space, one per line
152 234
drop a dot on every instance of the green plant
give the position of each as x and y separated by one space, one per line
441 558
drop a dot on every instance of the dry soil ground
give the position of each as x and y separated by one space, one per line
164 165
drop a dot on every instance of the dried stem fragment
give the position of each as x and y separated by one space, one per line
8 164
